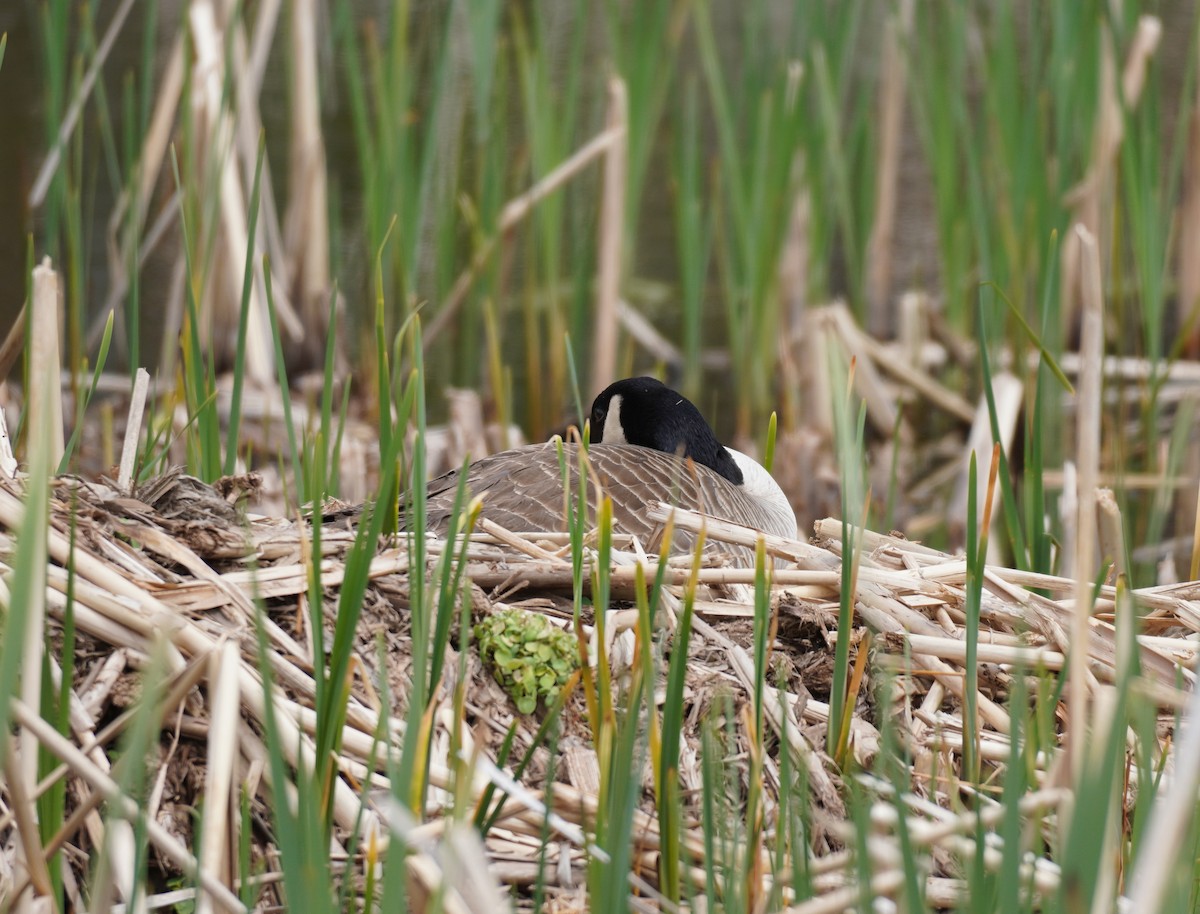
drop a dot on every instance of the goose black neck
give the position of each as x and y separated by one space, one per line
645 412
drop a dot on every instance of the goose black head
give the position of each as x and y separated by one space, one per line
645 412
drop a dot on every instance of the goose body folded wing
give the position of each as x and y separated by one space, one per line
651 446
522 490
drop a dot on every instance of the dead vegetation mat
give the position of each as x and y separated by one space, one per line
175 570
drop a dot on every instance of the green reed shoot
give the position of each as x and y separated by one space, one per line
694 232
302 835
28 580
85 397
670 799
849 435
239 360
285 395
199 386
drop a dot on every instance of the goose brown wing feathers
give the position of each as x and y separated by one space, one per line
522 490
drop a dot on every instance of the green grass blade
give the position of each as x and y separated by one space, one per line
84 401
239 360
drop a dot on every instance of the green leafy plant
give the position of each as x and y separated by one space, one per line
529 656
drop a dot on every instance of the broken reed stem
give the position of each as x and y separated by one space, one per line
133 429
1087 458
1008 395
45 359
1112 534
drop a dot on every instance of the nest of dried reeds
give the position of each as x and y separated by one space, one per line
173 576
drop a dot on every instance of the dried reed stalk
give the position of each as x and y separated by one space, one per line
1087 458
611 235
45 355
1008 395
306 225
912 594
8 463
223 132
51 740
219 832
1187 255
133 428
893 78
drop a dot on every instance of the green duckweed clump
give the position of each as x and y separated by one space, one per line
529 656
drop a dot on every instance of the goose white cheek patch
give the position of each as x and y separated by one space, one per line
614 432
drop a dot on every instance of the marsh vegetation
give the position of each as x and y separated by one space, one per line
935 262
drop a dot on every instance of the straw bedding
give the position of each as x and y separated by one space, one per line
164 584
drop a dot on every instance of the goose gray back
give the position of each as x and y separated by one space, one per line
650 445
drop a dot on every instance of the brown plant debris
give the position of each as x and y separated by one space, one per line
164 585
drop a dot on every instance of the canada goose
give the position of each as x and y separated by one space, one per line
639 429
